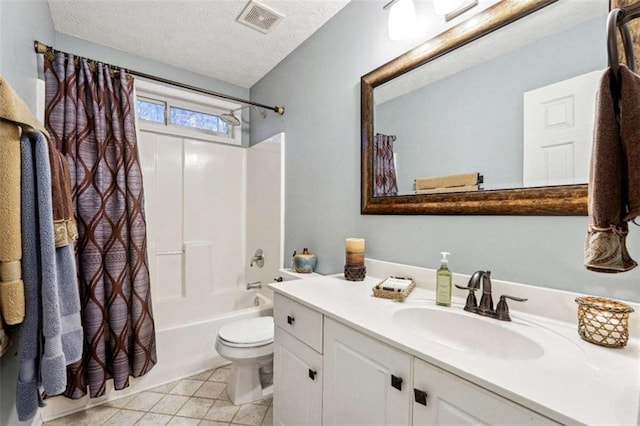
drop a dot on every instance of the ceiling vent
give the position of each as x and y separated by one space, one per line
259 17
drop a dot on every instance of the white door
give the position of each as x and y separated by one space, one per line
440 398
265 208
297 382
365 382
558 131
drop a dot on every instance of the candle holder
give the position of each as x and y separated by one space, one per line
355 273
603 322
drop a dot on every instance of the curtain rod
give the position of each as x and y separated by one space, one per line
42 48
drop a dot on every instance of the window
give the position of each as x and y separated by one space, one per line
150 110
198 120
170 110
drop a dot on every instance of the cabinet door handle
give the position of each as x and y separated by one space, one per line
312 374
290 319
420 396
396 382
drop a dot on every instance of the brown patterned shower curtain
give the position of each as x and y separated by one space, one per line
90 116
384 170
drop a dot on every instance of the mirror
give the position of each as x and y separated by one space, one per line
508 94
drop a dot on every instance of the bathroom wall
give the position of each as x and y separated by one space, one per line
21 23
319 84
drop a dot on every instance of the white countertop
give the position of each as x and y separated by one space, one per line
573 382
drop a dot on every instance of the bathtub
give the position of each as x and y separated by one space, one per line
183 351
188 349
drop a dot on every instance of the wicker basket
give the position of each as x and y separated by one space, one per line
379 291
603 321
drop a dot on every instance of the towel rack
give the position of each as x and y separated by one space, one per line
617 21
26 129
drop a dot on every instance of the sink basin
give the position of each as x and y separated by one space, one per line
470 333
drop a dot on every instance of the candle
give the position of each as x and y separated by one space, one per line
355 251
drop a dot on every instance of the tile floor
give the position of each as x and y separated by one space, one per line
198 400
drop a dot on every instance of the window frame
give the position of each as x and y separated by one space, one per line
185 99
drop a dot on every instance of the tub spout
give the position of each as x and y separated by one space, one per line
254 285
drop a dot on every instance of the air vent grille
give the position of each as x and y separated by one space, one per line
259 17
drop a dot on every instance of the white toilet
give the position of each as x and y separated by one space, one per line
248 344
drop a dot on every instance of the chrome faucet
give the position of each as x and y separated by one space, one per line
485 307
254 285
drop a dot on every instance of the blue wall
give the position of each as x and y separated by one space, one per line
21 23
319 83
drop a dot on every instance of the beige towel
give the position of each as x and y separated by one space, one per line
463 179
614 181
466 188
11 287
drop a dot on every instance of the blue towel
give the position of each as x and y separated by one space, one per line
51 289
28 333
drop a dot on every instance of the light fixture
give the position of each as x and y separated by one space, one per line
402 19
452 8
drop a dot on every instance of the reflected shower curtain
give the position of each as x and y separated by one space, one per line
90 117
384 170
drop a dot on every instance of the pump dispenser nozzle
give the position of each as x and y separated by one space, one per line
444 256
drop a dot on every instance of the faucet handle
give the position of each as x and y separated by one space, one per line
502 309
472 303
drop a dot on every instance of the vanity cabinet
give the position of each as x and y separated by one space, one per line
443 398
328 373
297 361
366 382
297 382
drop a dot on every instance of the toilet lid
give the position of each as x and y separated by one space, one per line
253 331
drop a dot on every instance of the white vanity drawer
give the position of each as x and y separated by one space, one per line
303 323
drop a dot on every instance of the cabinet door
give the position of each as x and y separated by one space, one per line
451 400
297 382
365 381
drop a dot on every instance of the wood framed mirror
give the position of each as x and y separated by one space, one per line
553 199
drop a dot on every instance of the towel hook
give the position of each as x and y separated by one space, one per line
27 130
617 21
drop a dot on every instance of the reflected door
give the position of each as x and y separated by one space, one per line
558 131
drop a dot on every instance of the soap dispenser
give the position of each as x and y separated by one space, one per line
443 281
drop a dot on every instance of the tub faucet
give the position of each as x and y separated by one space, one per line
257 259
254 285
485 307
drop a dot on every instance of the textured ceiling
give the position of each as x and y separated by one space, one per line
200 36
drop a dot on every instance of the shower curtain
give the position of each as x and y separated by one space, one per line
384 170
90 117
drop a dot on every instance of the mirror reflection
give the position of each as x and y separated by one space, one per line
513 109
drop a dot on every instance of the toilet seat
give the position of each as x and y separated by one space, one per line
247 333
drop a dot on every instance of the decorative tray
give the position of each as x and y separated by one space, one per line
397 288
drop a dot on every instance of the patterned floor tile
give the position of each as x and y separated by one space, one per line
90 417
125 418
221 411
154 419
221 374
250 414
202 376
211 390
186 387
183 421
212 423
196 408
144 401
166 388
268 418
169 404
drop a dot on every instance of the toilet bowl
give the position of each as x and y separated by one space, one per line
248 344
